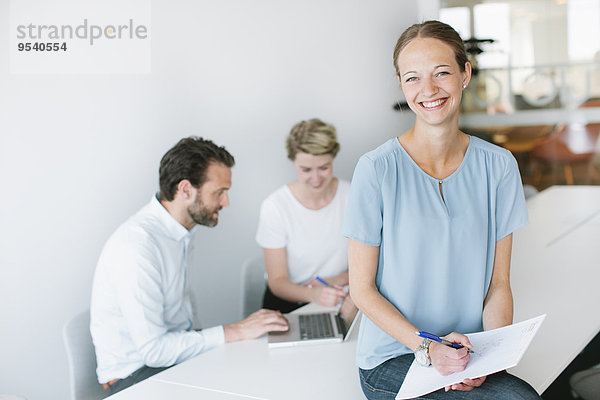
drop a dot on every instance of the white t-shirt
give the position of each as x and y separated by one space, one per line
312 238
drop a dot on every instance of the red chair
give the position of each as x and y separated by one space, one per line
568 145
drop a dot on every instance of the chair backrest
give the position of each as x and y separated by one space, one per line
82 359
253 284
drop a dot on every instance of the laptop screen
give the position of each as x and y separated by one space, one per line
348 313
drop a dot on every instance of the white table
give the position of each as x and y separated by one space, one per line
250 368
155 390
555 270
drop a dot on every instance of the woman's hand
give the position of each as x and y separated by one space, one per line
448 360
467 384
328 296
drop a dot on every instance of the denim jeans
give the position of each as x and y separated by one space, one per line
136 377
384 381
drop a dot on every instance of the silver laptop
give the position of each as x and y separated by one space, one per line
317 328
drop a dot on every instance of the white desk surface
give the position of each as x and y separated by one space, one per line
152 390
555 270
250 368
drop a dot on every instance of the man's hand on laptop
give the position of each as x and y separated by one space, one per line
256 325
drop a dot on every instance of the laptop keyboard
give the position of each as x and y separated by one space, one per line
315 326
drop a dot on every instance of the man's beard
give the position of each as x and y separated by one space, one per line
201 215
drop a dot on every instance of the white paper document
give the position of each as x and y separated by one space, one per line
494 351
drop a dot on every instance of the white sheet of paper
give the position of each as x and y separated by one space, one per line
494 351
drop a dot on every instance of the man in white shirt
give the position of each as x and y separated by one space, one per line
141 314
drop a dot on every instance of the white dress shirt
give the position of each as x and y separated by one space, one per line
140 310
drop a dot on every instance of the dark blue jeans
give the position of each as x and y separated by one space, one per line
384 381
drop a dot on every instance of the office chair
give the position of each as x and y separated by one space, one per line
82 359
567 146
253 284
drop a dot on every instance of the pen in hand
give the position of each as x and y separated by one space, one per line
321 281
435 338
339 293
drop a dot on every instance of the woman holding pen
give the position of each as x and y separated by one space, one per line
300 225
430 220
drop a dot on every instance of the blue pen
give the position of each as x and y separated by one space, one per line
322 281
435 338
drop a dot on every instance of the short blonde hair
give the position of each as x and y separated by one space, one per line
313 137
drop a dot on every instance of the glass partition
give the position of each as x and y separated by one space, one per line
531 55
536 83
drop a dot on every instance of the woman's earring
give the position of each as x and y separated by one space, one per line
464 87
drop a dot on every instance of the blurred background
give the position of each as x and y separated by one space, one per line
536 86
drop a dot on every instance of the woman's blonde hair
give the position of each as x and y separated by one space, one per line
313 137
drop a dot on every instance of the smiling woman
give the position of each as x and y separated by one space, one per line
429 221
299 225
433 69
432 81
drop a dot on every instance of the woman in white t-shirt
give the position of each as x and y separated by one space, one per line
300 225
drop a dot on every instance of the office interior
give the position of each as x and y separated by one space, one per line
79 153
536 92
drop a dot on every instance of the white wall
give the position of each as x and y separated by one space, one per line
80 153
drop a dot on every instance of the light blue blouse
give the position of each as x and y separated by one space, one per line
436 254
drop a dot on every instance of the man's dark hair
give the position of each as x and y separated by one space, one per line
189 159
